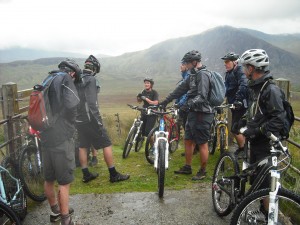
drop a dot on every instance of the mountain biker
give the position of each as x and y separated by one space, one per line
236 93
148 96
265 116
91 132
58 144
200 115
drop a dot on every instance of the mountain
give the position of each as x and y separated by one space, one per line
17 53
124 74
289 42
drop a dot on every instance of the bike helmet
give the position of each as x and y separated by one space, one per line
230 56
92 61
70 64
191 56
255 57
150 80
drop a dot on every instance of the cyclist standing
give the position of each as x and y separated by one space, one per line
200 115
236 93
264 116
148 96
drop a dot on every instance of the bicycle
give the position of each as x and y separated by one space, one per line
8 216
219 130
134 136
229 184
173 128
31 167
12 196
283 205
161 147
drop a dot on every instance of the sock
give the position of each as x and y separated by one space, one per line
112 171
65 219
55 209
85 171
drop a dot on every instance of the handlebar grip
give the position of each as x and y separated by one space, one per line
272 136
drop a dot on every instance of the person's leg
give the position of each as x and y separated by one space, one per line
83 158
50 193
108 156
189 146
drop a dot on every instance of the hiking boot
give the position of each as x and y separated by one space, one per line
200 175
256 216
90 177
183 154
184 170
76 223
94 161
57 216
119 177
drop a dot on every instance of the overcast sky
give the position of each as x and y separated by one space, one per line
114 27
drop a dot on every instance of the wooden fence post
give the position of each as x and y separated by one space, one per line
10 106
285 85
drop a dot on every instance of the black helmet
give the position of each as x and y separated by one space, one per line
150 80
93 61
231 56
191 56
70 64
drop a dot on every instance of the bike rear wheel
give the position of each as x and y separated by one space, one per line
129 143
161 169
149 148
222 184
251 211
31 173
8 216
174 138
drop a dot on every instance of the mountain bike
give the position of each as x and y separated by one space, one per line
229 184
134 136
274 205
219 130
31 167
12 195
172 126
161 147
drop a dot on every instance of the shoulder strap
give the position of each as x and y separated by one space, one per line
257 101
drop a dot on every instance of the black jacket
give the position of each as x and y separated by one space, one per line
236 85
270 113
88 108
63 99
196 86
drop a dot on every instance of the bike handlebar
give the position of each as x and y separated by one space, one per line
231 106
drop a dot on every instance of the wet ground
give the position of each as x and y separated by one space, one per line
187 207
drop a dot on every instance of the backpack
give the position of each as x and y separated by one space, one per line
40 116
217 91
289 113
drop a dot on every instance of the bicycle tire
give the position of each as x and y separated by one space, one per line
128 143
226 166
289 207
222 140
32 174
9 164
139 142
8 216
174 138
161 168
212 143
149 145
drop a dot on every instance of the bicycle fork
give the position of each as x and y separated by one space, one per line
161 135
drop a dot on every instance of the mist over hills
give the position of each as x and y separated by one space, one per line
125 73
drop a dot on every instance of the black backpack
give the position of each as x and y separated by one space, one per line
289 118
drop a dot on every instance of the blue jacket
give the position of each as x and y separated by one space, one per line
183 99
236 85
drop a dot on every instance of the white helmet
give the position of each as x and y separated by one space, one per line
255 57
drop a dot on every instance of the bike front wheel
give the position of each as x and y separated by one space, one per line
212 142
222 183
149 147
139 142
129 143
31 173
8 216
161 168
252 211
223 140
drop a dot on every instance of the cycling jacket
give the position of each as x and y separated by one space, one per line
63 99
236 85
183 99
88 107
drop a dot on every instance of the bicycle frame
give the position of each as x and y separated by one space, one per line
138 124
36 135
171 122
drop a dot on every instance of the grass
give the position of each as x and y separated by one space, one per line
143 177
